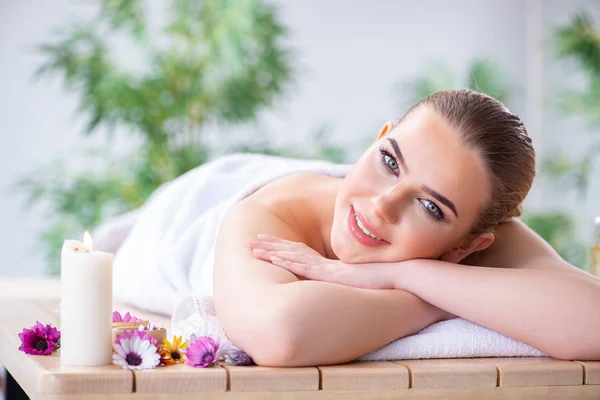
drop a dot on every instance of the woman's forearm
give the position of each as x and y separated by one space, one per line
328 324
554 310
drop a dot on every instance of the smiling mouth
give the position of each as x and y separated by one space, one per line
359 228
365 230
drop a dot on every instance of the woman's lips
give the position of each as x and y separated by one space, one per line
358 234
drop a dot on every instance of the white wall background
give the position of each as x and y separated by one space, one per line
352 53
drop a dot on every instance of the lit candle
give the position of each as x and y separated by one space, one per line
85 304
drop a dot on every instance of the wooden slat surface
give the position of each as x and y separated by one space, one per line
536 371
181 379
370 375
19 288
513 393
72 380
254 378
450 373
591 372
50 306
42 377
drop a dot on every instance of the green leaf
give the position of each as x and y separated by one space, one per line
484 75
125 14
558 229
223 62
487 77
438 77
580 41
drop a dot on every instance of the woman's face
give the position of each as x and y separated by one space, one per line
417 190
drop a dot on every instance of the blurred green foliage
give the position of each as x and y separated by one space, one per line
483 75
215 61
558 230
578 42
486 76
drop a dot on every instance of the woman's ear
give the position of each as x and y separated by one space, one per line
385 129
468 247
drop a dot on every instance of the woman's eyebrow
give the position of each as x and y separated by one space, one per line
440 198
398 153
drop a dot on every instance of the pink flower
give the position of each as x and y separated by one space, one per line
136 350
202 352
40 339
126 318
131 333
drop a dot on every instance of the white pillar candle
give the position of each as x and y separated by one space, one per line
85 304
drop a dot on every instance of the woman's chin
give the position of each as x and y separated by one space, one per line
350 255
360 255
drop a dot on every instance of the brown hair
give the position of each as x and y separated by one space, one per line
500 138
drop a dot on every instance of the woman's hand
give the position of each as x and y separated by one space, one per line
303 261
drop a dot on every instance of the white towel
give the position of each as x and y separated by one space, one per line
169 253
170 249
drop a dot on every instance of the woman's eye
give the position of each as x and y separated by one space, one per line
391 163
433 209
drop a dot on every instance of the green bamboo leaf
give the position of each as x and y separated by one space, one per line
225 62
580 41
125 14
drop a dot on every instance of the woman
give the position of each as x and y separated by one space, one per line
419 231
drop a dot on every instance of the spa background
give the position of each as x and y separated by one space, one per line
344 69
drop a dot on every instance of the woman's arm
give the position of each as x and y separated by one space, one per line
554 310
280 321
536 298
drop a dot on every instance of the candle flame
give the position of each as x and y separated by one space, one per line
87 241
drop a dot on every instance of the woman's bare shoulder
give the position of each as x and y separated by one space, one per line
283 200
295 200
517 246
295 186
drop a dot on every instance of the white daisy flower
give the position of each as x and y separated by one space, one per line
136 350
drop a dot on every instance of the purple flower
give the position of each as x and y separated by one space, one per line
238 357
202 352
136 350
125 318
40 339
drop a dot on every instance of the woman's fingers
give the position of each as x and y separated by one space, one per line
294 256
266 255
261 254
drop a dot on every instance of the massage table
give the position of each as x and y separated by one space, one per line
25 300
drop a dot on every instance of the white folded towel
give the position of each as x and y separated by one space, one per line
169 253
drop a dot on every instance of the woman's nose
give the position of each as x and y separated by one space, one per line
387 205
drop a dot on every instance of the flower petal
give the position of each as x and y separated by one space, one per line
119 350
145 346
126 344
